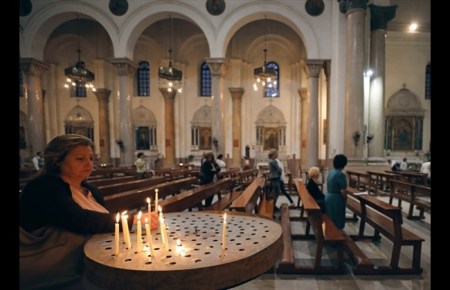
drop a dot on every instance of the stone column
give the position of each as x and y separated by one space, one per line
312 68
103 125
236 96
33 70
379 17
217 68
355 13
169 124
327 71
125 70
304 100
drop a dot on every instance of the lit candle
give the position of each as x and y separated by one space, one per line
116 236
139 232
149 236
126 231
149 202
224 233
160 213
156 199
162 228
179 247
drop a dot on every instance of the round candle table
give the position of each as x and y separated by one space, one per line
195 258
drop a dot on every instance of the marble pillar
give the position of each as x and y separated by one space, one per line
379 17
236 96
327 72
312 68
355 14
169 125
33 70
217 67
304 99
103 125
125 70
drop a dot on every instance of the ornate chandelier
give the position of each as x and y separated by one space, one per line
264 75
170 77
78 75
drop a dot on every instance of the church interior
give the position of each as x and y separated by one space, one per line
178 79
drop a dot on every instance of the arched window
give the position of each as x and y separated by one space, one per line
272 88
143 79
205 80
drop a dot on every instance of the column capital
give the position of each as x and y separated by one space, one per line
303 93
217 66
102 95
327 68
168 96
236 93
346 5
123 66
312 67
33 67
381 15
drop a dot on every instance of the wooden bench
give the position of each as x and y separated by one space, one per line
106 190
325 233
416 194
246 177
189 199
247 200
111 180
136 198
386 219
362 181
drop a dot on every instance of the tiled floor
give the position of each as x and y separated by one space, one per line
378 252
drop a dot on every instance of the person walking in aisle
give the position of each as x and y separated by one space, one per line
283 182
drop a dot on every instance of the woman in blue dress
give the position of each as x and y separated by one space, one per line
336 196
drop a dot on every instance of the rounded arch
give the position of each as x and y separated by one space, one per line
144 117
202 117
270 116
150 13
39 28
404 102
254 11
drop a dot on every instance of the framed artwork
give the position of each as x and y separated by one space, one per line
205 138
270 138
402 133
142 138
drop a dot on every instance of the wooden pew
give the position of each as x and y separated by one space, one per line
247 200
136 198
111 180
129 185
287 262
412 193
387 220
194 197
362 181
325 233
246 177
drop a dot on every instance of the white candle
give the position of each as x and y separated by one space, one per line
149 202
160 213
116 236
139 232
156 199
224 233
162 228
149 236
126 231
179 247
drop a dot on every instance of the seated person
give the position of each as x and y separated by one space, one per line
314 189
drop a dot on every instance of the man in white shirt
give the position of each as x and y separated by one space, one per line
220 162
38 161
404 164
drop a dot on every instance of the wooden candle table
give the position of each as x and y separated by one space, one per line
197 261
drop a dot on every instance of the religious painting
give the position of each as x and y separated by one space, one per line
402 133
205 138
142 138
270 138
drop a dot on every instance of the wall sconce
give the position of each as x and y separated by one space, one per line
356 137
369 138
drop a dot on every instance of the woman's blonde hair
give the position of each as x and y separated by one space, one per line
271 153
314 172
59 147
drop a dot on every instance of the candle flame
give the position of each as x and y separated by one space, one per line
156 190
159 208
225 217
178 243
148 200
146 220
139 215
117 217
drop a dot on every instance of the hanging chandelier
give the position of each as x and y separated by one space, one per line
170 77
264 75
78 75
